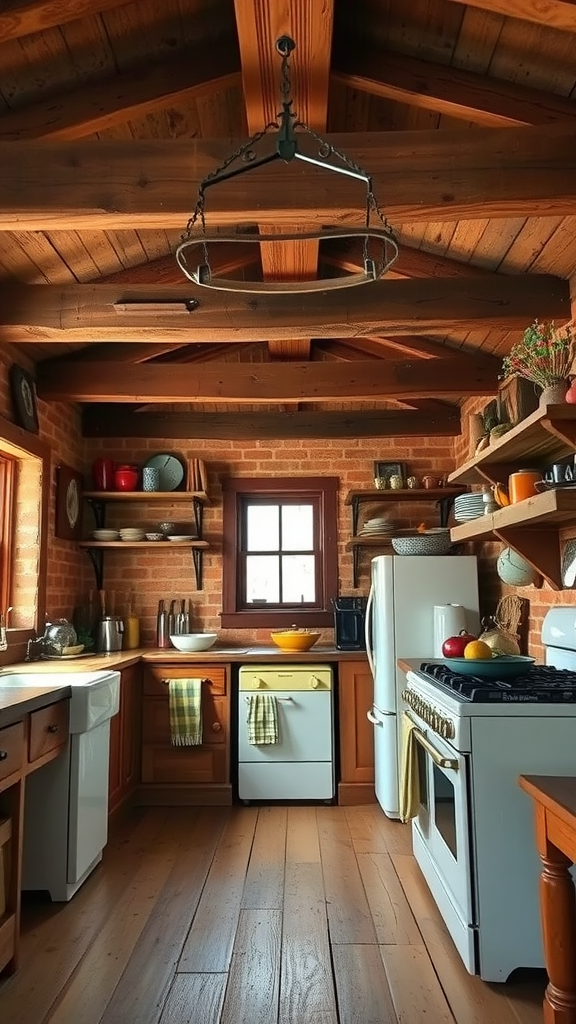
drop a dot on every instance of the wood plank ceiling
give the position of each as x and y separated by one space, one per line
110 115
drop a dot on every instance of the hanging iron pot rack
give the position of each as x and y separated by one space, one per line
379 246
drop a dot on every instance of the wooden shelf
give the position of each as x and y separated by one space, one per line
543 437
147 496
376 540
144 544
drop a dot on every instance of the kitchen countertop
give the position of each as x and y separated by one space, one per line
18 701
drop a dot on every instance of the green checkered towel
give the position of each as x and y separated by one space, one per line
185 704
262 719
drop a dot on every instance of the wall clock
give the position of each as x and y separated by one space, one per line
68 493
23 391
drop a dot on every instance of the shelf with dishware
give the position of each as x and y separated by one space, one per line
532 526
98 500
442 496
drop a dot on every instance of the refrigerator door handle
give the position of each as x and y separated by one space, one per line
378 721
368 629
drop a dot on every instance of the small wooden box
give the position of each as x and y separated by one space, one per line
517 398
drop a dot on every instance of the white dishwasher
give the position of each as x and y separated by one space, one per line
300 766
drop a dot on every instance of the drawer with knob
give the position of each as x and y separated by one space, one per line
48 729
156 677
11 749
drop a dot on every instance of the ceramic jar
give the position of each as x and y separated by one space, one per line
396 482
103 475
521 484
126 478
429 482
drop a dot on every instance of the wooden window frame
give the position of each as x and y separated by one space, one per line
235 492
17 446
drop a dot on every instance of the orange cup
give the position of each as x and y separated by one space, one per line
522 484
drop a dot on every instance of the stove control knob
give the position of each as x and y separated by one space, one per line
314 682
256 683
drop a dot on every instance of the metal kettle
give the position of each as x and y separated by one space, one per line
109 634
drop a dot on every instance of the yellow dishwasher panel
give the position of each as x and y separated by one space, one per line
285 733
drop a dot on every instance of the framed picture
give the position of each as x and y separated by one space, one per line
387 469
23 391
68 524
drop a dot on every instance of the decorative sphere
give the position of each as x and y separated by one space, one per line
571 393
513 569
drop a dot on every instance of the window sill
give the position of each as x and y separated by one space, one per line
274 619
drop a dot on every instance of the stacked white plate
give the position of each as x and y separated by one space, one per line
468 506
103 534
131 533
378 526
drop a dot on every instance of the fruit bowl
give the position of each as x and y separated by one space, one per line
505 666
188 642
293 640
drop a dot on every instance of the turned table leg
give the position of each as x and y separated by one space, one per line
558 906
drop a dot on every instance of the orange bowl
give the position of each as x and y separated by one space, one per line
293 640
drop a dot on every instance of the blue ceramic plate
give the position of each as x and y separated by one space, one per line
505 667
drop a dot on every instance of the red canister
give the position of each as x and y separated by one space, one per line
126 478
103 475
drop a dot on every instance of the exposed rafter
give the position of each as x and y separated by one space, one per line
559 14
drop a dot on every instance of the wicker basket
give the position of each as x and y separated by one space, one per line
433 542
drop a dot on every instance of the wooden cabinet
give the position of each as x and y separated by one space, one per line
531 527
48 732
442 496
195 774
100 499
125 740
356 733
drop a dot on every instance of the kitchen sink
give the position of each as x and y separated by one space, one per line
38 679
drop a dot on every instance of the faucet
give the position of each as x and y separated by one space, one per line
3 628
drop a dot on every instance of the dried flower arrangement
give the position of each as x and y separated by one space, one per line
545 355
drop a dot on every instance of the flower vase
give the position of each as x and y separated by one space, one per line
554 393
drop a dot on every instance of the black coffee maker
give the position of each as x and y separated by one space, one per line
349 620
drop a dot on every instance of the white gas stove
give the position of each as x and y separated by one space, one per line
473 836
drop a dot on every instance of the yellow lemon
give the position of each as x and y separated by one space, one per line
477 649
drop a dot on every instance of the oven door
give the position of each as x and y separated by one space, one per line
441 827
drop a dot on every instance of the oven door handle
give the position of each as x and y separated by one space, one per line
437 757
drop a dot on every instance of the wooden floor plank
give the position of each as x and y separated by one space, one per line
373 832
362 987
472 1000
264 886
194 999
390 910
211 937
52 950
142 989
349 915
302 842
306 983
254 979
416 992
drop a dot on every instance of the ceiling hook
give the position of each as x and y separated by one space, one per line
285 45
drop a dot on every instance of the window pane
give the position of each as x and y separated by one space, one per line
262 579
262 532
298 579
297 528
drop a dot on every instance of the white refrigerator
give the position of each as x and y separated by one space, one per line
400 624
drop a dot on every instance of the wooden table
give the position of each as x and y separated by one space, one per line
555 799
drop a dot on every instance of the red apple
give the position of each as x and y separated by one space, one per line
453 646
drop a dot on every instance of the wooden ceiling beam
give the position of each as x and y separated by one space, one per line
446 90
71 185
264 383
114 421
559 14
70 313
22 19
410 263
224 259
421 348
186 77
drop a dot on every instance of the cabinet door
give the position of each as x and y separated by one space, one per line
355 696
206 763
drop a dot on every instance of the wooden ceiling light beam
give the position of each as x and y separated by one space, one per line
76 312
74 185
260 24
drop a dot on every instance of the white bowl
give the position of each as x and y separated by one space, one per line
155 536
193 641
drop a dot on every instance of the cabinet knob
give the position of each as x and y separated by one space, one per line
52 728
216 727
3 755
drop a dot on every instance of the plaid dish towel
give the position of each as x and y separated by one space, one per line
185 706
262 719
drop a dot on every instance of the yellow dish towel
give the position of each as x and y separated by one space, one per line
185 705
409 788
262 719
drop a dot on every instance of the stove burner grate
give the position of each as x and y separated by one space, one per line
540 684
